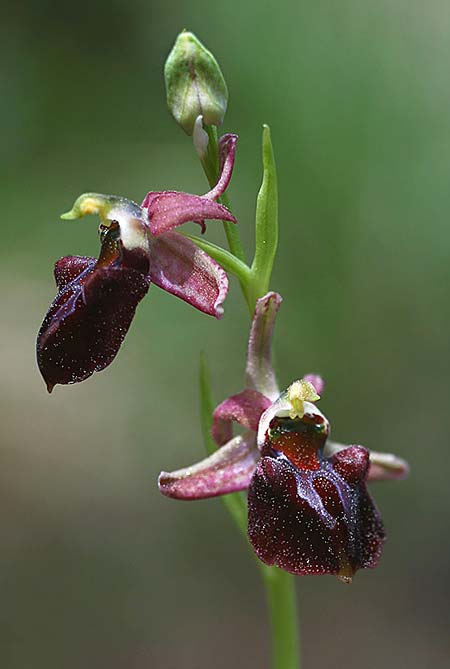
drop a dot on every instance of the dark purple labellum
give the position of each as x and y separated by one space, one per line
91 314
315 520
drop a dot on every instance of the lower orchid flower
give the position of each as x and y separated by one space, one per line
97 298
309 510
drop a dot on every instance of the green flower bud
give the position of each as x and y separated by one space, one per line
194 84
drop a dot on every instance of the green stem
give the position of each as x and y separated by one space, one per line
254 282
282 603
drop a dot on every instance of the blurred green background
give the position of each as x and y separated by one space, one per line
97 569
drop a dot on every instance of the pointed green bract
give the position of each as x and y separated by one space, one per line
266 223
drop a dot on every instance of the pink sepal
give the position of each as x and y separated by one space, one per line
178 266
229 469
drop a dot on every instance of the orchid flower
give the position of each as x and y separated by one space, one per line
309 510
97 298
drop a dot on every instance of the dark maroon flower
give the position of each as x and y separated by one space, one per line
310 514
309 508
96 301
89 318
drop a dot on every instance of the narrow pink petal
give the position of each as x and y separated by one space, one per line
180 267
244 408
383 466
229 469
259 371
316 381
169 209
227 152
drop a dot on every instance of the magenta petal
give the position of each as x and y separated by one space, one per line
89 318
315 522
227 152
229 469
169 209
316 381
180 267
259 371
244 408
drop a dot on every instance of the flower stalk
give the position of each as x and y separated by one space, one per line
254 282
282 605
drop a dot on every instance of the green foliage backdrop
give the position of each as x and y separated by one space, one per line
97 570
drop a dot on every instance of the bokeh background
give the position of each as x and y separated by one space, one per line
98 570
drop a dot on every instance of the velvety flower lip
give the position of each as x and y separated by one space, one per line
96 301
309 508
97 298
315 521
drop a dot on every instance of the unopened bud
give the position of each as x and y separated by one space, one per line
194 84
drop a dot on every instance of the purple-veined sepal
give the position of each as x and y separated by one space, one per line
229 469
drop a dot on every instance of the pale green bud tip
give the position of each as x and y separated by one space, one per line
194 84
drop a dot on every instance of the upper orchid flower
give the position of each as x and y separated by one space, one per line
97 298
308 504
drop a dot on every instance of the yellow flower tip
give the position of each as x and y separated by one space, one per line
298 393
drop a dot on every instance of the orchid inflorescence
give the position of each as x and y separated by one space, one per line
309 509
